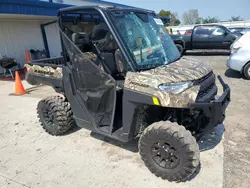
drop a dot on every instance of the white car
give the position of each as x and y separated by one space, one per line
239 58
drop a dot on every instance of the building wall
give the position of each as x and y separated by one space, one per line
53 39
17 36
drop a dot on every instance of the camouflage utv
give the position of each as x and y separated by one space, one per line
121 74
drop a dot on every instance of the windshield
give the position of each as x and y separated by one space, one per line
146 38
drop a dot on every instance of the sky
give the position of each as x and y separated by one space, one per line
222 9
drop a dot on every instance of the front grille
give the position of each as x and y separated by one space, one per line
206 83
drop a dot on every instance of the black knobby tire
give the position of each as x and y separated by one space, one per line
55 115
169 151
247 71
180 48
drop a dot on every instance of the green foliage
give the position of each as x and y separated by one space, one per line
177 22
236 18
209 20
165 13
174 21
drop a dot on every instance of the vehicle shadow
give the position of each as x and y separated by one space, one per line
211 139
75 128
207 142
197 171
130 146
233 74
207 53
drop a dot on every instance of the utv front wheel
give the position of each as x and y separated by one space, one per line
169 151
55 115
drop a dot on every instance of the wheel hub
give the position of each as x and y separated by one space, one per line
49 117
165 155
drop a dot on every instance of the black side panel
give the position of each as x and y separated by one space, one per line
38 79
137 97
79 112
94 90
131 100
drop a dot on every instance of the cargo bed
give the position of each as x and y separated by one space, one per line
45 71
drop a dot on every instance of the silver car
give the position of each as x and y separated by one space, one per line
239 58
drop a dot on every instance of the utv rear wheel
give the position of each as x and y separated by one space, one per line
169 151
55 115
247 71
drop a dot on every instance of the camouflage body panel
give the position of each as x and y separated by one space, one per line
179 71
44 71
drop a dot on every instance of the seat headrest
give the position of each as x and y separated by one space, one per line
99 31
79 38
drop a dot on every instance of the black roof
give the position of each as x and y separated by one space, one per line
103 8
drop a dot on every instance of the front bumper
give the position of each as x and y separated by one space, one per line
215 109
236 61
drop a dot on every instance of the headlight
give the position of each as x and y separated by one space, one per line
175 88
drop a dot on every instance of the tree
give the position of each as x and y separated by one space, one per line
173 17
164 13
209 20
191 17
236 18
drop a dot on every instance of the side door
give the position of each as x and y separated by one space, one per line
201 38
221 38
90 91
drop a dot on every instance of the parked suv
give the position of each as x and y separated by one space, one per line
239 58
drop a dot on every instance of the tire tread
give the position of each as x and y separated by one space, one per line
187 141
62 110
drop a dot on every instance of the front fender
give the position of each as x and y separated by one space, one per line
180 41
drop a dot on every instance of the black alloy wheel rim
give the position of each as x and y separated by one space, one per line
165 155
49 117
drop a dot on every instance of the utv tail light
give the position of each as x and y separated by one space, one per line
235 47
235 50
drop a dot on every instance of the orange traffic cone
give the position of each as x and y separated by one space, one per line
19 90
27 59
27 56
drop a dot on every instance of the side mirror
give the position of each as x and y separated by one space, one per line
226 33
